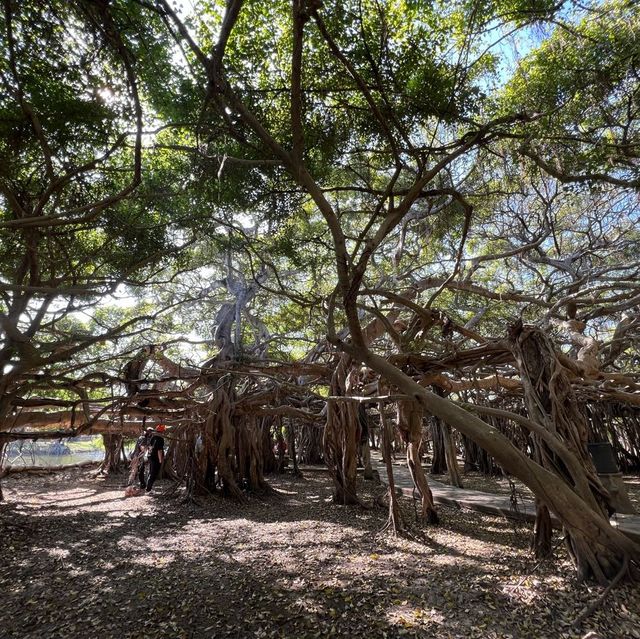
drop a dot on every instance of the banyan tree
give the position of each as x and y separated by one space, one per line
268 223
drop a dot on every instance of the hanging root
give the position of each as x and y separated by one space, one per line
395 524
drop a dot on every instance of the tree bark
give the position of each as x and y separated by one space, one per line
310 446
604 549
251 450
551 402
439 460
112 462
448 444
395 519
340 438
410 426
476 458
221 426
451 456
542 532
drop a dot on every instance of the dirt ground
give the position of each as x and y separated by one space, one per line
79 560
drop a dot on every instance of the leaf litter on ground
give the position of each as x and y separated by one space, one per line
77 559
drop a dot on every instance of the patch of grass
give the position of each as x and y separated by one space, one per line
86 445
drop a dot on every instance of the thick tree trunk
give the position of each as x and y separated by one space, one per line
249 451
221 426
551 402
340 449
542 528
310 444
542 532
452 457
410 426
195 453
476 458
214 449
449 446
340 438
604 550
201 458
112 462
439 460
445 458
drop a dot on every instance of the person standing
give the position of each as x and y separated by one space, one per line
138 458
156 456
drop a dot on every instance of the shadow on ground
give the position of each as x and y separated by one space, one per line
78 560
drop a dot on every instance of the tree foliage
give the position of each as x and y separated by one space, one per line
395 176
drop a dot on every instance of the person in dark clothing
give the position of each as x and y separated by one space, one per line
138 457
156 456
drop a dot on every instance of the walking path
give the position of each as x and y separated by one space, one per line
524 509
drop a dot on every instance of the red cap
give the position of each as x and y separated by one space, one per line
160 428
